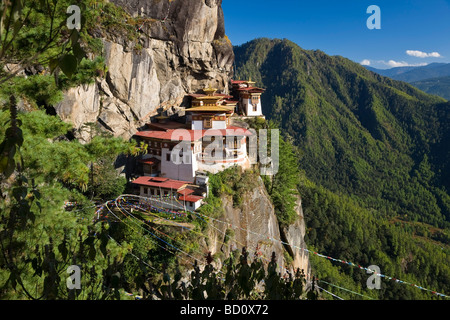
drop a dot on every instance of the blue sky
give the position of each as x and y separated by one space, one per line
413 32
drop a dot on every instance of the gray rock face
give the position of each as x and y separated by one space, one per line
254 226
295 236
184 50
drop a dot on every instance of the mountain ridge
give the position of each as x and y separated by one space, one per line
430 78
355 128
437 86
373 153
415 73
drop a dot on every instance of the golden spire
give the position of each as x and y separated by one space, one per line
209 91
250 82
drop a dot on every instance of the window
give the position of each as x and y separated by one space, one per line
235 143
168 157
255 101
207 123
145 190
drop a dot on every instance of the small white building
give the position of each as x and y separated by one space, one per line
169 193
249 97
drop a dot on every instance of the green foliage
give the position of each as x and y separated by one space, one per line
438 86
86 73
106 182
38 90
39 40
237 279
35 33
233 182
341 228
48 157
282 187
39 238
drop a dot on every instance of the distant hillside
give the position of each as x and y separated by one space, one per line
412 74
437 86
375 159
360 133
432 79
392 72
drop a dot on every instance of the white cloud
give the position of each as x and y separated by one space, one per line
382 64
421 54
395 64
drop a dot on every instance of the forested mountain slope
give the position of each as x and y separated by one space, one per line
373 155
381 141
438 86
433 78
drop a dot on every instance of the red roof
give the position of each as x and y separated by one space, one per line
172 135
166 125
224 95
238 81
192 135
160 182
190 198
185 191
251 89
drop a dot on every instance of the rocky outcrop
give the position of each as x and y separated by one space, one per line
253 225
294 234
182 50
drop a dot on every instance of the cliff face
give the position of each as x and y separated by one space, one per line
253 225
295 236
184 49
